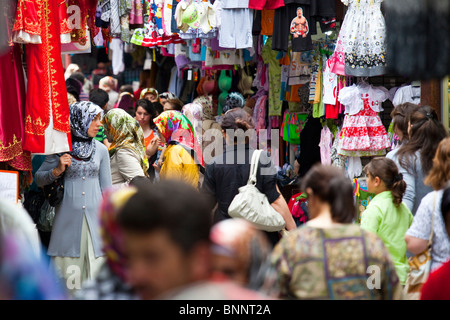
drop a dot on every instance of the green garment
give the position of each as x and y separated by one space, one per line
270 57
390 224
101 136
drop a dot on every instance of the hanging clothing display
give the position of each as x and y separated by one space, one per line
41 25
362 128
407 94
360 48
12 107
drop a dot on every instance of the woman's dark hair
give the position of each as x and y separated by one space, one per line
445 206
99 96
158 107
425 134
387 171
330 185
79 76
235 119
149 107
148 211
400 116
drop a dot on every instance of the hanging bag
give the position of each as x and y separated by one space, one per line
419 267
252 205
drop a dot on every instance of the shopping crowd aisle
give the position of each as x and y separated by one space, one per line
224 150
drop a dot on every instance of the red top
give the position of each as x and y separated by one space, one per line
438 285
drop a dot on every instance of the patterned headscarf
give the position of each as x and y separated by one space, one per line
207 104
125 132
177 129
113 201
81 116
234 100
149 90
238 239
194 112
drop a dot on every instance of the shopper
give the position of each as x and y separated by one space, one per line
100 97
194 112
168 248
386 215
240 252
436 287
165 96
414 158
430 208
234 100
183 157
111 282
75 240
145 113
212 131
126 99
330 257
109 84
24 270
173 104
400 118
86 85
127 151
150 94
230 170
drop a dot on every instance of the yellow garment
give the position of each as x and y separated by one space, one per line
179 164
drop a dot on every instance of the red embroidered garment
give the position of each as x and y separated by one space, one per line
47 127
12 104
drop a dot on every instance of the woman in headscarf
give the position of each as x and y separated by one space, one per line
183 155
127 150
194 112
241 252
75 244
210 128
111 281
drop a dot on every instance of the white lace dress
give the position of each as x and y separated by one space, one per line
360 48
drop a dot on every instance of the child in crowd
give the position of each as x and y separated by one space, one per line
386 215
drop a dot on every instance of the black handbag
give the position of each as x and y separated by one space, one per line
54 192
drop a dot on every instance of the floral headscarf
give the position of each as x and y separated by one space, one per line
113 201
238 239
177 129
81 116
194 112
149 90
207 104
125 132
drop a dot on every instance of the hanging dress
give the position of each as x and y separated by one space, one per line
363 133
360 48
42 25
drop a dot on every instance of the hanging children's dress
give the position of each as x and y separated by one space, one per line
363 133
360 48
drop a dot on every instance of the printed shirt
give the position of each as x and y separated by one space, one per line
334 263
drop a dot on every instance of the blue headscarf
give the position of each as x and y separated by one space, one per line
81 116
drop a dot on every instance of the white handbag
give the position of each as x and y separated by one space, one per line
252 205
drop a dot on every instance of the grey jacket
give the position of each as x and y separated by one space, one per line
84 182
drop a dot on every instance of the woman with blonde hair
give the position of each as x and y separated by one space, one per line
430 210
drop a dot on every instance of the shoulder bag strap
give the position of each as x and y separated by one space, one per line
254 166
430 240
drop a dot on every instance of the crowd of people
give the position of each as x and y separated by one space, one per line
145 216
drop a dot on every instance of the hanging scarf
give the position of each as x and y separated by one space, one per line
125 132
81 116
114 200
177 129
